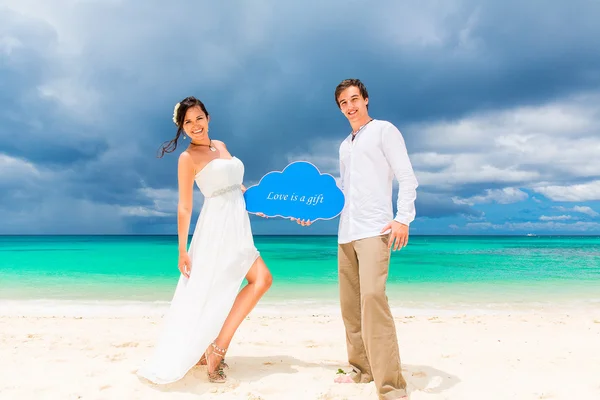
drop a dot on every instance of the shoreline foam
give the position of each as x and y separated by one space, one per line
299 307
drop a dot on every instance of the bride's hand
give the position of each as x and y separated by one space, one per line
185 264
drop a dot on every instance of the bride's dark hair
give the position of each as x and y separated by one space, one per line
189 102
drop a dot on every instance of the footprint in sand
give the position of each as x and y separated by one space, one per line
126 344
33 336
116 357
545 396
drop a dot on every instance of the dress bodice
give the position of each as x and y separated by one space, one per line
219 176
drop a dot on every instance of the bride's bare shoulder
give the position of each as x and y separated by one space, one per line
186 160
185 157
221 146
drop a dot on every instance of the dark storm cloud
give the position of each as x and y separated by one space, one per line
91 102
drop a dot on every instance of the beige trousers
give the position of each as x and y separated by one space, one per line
370 329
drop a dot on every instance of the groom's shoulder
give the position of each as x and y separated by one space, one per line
385 127
345 140
383 124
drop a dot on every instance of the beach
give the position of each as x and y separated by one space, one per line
477 318
295 353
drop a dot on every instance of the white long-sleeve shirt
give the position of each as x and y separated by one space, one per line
368 165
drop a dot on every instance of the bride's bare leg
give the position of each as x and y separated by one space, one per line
259 281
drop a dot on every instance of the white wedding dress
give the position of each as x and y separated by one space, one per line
222 251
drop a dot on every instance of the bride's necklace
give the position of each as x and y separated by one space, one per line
209 145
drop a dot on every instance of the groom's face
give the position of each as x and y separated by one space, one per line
352 104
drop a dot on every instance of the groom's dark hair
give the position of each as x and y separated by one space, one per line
345 84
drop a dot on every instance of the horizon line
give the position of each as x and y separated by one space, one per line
308 235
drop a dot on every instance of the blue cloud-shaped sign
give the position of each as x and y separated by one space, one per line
299 191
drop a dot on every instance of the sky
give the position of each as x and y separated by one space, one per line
498 102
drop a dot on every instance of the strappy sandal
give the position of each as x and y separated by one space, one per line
218 375
202 361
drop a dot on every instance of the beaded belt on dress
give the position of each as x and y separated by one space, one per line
224 190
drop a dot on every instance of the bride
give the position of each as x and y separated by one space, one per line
206 308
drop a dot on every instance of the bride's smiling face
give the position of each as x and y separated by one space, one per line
195 124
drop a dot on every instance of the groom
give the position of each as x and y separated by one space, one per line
372 154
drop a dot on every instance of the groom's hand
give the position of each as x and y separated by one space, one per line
399 234
302 222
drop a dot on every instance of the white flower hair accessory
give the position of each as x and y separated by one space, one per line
175 113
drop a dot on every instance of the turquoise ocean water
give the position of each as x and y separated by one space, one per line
433 271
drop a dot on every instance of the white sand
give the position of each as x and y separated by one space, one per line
446 355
